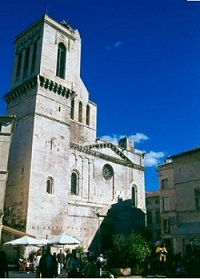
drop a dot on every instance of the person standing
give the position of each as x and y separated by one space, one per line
61 261
37 262
91 270
3 265
48 264
73 265
161 251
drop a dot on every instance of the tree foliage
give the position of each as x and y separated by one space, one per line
128 251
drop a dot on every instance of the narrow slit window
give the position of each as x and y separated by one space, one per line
19 65
80 112
88 115
72 110
74 183
26 61
49 186
133 196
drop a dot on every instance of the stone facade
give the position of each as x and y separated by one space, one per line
60 175
179 180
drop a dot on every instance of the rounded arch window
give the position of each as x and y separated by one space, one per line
49 185
107 172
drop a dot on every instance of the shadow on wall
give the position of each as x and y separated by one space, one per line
121 218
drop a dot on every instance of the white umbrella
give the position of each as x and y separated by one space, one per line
63 239
27 240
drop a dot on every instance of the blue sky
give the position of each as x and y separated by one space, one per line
140 64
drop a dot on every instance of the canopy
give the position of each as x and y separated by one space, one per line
15 232
63 239
27 240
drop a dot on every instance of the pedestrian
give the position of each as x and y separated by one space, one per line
91 270
61 261
3 264
48 264
73 265
161 252
37 262
100 263
57 266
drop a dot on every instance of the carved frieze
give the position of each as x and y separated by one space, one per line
88 150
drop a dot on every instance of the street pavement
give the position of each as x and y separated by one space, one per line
24 274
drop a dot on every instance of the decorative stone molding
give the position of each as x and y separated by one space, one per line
43 82
88 150
20 90
55 87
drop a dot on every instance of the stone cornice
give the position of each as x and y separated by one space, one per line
35 81
56 87
20 90
88 150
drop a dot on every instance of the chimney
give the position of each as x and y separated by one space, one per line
130 146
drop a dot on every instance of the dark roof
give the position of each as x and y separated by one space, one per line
196 149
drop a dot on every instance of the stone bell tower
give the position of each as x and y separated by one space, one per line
52 108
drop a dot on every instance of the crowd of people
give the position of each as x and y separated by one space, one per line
46 264
51 265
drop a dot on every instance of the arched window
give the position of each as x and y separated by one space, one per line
49 185
72 110
134 196
61 60
87 115
19 65
34 54
26 61
80 112
74 183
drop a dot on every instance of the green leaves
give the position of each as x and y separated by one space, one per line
129 250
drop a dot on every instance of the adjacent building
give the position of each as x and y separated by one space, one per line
179 180
61 176
153 215
7 124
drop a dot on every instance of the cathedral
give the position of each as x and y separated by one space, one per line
61 176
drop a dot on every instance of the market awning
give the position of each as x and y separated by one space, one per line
15 232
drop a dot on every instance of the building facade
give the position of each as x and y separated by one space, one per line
7 124
61 176
153 215
179 180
